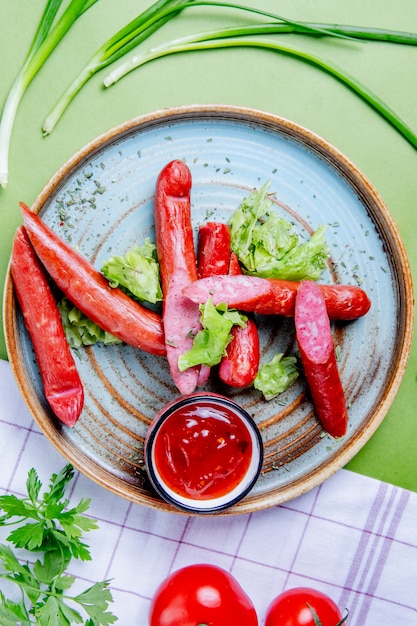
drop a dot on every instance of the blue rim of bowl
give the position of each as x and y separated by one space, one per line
164 414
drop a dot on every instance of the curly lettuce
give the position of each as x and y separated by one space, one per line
267 246
137 272
276 376
210 343
80 330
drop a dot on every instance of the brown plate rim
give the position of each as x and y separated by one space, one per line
334 462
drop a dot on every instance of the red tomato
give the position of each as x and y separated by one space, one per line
303 607
201 595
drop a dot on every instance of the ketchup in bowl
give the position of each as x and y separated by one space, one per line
203 453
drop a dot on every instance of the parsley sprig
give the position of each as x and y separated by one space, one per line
44 525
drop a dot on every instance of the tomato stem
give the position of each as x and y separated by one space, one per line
317 621
344 619
316 618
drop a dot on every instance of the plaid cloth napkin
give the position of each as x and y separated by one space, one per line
354 538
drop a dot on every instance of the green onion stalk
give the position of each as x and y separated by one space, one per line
140 29
122 42
48 35
282 26
233 37
285 25
50 32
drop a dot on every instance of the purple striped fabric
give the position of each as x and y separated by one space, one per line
355 538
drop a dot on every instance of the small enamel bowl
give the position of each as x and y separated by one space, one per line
203 453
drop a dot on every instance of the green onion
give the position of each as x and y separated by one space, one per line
362 33
46 38
140 29
49 34
292 26
284 25
118 45
213 41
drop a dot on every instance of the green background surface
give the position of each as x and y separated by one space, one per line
247 77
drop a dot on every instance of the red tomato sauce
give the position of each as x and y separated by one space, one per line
203 450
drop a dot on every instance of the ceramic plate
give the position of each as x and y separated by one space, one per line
101 201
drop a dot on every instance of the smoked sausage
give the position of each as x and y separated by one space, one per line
213 250
178 269
272 296
315 344
240 365
61 383
86 287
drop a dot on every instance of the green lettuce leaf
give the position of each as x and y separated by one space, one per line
276 376
267 246
210 343
137 272
79 329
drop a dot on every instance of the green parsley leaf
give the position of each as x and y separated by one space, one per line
12 613
58 483
33 485
47 526
20 574
50 568
49 614
9 560
13 507
29 536
95 601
